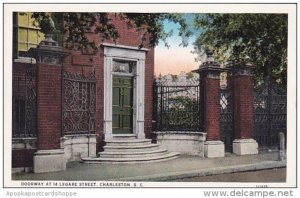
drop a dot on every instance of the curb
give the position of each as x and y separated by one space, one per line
208 172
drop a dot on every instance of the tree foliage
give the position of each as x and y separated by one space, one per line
44 21
258 38
150 25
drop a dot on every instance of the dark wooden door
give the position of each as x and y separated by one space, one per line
122 104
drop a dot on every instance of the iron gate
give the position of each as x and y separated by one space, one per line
270 104
269 115
226 118
24 104
176 105
78 104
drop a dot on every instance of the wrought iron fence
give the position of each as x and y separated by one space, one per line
176 105
78 104
269 113
24 105
226 120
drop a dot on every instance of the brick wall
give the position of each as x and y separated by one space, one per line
22 158
149 73
87 62
243 106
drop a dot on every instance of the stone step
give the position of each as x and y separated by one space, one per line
128 142
127 160
124 136
130 148
131 154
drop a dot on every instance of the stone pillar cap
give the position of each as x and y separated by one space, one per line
240 64
44 49
210 64
48 47
241 67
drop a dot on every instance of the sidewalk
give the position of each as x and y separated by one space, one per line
182 167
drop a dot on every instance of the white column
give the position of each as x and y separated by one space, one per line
108 98
140 94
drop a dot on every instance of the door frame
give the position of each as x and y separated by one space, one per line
129 53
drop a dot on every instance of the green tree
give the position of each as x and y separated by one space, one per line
189 75
150 25
258 38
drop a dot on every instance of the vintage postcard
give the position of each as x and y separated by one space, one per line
150 95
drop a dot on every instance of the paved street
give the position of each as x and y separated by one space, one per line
270 175
182 167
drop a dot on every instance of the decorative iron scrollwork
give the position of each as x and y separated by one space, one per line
24 105
79 103
269 113
30 109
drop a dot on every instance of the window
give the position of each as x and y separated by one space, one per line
25 34
124 66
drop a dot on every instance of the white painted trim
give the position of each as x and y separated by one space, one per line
49 152
122 53
108 98
24 143
140 102
127 53
124 47
25 60
21 170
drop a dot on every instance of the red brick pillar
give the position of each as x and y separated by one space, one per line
49 58
210 106
242 97
48 106
211 101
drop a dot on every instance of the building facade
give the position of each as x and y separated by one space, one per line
67 103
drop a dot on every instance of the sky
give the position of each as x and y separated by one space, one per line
176 58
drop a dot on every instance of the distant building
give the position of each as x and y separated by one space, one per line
187 79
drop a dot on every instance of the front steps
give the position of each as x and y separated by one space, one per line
125 136
127 149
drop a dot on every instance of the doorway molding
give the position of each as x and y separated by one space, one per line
129 53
